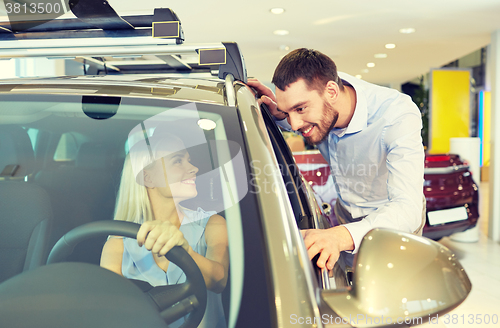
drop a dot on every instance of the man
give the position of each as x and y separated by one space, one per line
369 134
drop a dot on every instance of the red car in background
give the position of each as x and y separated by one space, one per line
451 193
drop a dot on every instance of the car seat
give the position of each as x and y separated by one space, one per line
81 194
25 210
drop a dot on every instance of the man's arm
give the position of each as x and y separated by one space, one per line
405 165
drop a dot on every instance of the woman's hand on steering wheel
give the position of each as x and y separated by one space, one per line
161 236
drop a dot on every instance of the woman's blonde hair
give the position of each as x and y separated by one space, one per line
132 202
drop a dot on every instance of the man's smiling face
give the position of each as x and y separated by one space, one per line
307 110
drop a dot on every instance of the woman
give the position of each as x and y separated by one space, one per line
154 180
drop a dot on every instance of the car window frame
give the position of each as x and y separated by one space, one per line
290 173
299 195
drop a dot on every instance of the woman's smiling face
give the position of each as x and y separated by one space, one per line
173 174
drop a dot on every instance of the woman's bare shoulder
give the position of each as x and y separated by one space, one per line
113 244
216 229
112 253
216 219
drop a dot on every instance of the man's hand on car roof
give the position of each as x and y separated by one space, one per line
267 97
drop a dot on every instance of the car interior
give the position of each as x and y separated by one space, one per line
61 172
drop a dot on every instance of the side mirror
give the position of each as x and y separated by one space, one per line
397 277
327 208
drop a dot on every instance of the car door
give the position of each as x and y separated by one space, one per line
308 214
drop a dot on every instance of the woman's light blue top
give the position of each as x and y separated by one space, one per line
138 263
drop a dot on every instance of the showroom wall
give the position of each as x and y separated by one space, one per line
26 67
493 77
7 69
484 67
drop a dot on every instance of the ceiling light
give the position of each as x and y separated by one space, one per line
407 30
390 46
380 55
277 11
284 47
206 124
366 70
359 76
281 32
370 65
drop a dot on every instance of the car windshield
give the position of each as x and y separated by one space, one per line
75 147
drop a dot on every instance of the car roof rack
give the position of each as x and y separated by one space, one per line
111 44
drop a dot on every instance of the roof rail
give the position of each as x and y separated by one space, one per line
6 30
110 41
235 64
230 93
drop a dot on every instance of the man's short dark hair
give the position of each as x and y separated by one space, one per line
313 66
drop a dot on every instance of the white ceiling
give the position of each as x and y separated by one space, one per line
350 32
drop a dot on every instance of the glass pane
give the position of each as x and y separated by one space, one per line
66 148
33 133
124 156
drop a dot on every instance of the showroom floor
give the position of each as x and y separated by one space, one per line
481 261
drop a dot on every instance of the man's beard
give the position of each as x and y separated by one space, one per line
328 120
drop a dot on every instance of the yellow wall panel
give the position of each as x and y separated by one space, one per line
450 108
486 127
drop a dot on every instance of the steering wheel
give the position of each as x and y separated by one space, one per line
173 301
